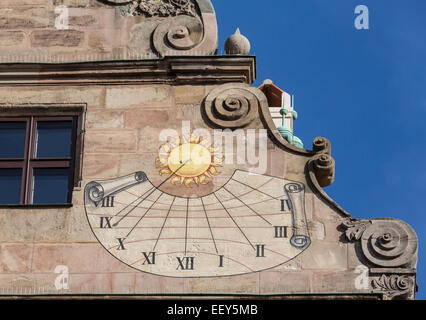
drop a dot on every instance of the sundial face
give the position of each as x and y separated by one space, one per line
251 223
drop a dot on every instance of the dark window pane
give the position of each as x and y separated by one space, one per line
50 185
53 139
12 139
10 186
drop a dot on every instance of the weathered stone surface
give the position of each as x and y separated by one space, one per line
340 281
138 119
11 38
120 98
101 165
88 283
62 38
28 283
15 258
82 21
273 282
189 94
325 255
137 162
47 256
104 119
91 96
77 227
112 141
15 18
185 112
245 284
150 284
17 3
140 37
75 3
39 225
97 41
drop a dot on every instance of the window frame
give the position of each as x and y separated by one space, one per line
30 162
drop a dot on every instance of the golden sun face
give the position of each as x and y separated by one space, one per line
192 160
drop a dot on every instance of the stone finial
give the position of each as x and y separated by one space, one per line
237 44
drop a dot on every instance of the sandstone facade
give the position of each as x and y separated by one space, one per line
123 107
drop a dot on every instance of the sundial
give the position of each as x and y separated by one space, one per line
251 223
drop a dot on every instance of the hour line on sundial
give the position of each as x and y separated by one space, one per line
208 222
242 232
255 189
186 224
146 212
153 190
237 198
164 223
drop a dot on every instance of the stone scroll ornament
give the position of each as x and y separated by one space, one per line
233 105
389 245
182 27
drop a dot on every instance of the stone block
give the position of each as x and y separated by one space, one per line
93 97
28 283
277 163
75 3
123 283
244 284
81 21
111 141
138 162
140 118
90 283
316 230
15 258
185 112
189 94
78 230
52 38
150 284
140 37
18 3
96 40
340 281
325 255
11 38
149 139
275 282
101 166
78 257
153 96
40 225
26 18
104 119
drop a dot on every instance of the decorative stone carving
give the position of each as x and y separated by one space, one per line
321 145
355 228
180 27
323 166
393 286
163 8
385 243
178 33
234 105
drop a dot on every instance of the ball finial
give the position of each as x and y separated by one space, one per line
237 44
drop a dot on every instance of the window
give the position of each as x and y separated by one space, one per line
37 156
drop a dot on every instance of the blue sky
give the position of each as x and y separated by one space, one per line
364 90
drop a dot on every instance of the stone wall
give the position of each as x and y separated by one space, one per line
123 109
121 129
82 30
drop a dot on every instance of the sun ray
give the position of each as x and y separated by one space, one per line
165 171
